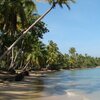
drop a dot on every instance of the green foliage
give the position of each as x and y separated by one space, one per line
13 12
52 55
31 52
37 55
15 15
61 2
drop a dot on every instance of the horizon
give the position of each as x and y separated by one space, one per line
77 28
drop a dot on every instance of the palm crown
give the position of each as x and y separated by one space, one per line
60 2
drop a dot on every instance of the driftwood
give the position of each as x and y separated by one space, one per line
10 76
7 77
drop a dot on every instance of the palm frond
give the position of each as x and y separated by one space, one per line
30 3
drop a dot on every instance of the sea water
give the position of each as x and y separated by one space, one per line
82 84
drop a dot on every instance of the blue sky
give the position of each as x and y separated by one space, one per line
79 27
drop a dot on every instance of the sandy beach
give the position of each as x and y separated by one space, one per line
25 91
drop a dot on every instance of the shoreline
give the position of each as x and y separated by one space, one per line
25 90
36 73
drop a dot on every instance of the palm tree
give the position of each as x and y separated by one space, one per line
66 61
37 55
73 57
13 18
72 51
11 12
52 55
53 3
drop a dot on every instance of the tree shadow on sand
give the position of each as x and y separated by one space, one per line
30 87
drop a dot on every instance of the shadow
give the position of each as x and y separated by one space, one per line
31 87
53 84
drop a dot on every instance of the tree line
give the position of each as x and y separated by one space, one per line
28 51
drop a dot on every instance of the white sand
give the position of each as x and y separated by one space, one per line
24 91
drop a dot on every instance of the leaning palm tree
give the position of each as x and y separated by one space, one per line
13 19
53 4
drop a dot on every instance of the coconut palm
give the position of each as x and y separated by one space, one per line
52 55
73 57
53 5
12 20
13 11
36 57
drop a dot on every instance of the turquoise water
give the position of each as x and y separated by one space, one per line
86 80
81 84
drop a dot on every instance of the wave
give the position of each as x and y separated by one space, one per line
76 95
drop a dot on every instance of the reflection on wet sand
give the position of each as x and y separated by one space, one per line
31 87
55 86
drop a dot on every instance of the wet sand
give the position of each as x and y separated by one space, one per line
73 95
25 90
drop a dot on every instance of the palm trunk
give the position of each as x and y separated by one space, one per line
26 66
16 56
13 65
20 37
12 58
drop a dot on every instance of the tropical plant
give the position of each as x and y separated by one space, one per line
73 58
53 3
36 57
13 19
52 55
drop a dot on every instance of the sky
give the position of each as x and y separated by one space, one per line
79 27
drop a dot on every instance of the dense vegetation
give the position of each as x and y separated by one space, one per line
30 52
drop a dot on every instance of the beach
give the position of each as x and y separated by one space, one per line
38 87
